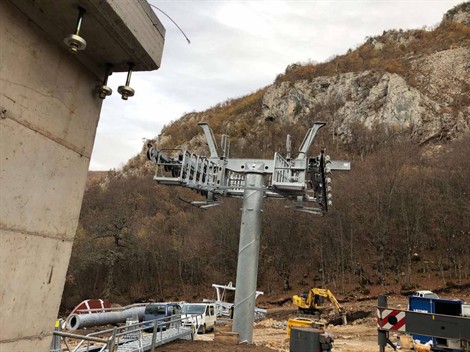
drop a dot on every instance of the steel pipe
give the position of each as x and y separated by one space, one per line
248 253
79 321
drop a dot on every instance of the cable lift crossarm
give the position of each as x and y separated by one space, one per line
302 178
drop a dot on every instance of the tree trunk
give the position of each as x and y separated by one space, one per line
110 277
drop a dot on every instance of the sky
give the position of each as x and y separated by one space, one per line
238 47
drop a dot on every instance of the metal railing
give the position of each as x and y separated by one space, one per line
132 337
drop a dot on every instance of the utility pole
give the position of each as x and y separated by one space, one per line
305 179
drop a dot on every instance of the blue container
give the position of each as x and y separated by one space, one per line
436 306
423 305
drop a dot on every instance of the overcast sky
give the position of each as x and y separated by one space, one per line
236 48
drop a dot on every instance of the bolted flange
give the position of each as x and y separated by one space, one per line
74 42
126 91
104 90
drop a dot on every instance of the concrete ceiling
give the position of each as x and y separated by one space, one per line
116 32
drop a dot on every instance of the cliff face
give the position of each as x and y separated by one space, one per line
415 80
435 106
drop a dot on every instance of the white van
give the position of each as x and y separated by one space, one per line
201 315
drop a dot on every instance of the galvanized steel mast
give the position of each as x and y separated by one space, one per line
304 179
248 252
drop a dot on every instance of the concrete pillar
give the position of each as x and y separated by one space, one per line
47 132
49 112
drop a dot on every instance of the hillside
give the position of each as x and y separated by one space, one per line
397 106
413 78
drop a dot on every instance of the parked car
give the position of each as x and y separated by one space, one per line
425 294
163 311
201 315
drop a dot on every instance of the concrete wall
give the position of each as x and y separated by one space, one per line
47 133
49 111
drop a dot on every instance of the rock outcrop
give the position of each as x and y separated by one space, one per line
429 108
459 14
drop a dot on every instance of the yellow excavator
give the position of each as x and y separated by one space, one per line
312 302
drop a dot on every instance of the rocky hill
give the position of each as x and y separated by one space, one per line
432 108
414 80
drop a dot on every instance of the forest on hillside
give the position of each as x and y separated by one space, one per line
400 218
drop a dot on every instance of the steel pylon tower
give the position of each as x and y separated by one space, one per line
305 179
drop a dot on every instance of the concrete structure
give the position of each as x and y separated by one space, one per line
49 111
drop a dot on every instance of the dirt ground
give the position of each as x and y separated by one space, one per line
270 335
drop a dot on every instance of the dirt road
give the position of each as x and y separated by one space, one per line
352 338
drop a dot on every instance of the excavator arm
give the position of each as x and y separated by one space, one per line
334 301
336 304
